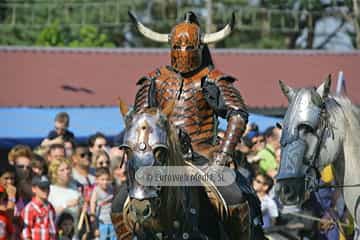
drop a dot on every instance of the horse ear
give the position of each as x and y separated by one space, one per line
124 109
168 109
324 89
288 91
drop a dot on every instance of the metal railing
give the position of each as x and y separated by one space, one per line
111 14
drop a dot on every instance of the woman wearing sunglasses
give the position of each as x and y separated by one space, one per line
101 159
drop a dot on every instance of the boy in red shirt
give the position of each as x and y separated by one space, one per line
39 215
7 230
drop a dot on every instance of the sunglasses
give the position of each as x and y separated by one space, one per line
106 163
43 188
22 166
86 154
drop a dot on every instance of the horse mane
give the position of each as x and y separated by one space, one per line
347 167
351 114
174 195
351 125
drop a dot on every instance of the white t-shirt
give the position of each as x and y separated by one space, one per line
269 210
59 196
269 206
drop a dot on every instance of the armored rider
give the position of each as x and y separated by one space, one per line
200 93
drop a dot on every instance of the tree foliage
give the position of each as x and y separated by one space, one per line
86 36
80 23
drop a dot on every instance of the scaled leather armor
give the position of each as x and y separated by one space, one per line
199 99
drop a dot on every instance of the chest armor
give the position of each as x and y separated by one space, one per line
192 112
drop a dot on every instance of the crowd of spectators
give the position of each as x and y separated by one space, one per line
63 189
60 189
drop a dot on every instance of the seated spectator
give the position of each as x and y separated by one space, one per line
262 185
61 132
38 165
81 171
100 204
64 195
62 123
39 215
65 225
7 230
97 142
56 151
102 159
268 163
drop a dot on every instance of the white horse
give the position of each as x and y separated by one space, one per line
319 129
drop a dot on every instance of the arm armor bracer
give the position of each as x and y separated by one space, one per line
235 128
227 102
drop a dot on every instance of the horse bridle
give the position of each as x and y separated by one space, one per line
312 173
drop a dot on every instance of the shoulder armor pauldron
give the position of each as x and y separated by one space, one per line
216 75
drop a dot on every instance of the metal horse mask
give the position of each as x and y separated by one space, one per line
148 142
303 129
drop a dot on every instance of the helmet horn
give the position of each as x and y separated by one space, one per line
219 35
147 32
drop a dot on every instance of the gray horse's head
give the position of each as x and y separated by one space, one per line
302 129
149 141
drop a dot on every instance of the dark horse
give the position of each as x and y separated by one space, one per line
169 212
318 130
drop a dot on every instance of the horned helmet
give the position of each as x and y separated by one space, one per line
186 40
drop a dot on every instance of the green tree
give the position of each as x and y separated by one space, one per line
52 36
91 37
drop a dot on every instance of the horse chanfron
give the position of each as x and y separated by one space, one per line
303 130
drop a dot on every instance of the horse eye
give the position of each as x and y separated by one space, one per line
305 128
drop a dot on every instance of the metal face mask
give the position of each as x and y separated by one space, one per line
185 47
144 142
299 138
304 111
299 142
